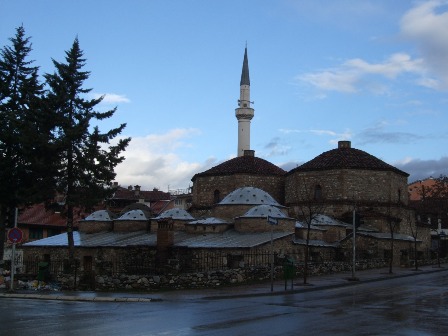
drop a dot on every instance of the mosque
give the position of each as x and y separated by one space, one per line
248 204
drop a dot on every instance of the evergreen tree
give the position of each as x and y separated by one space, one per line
22 136
85 165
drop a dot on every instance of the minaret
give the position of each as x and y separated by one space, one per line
244 113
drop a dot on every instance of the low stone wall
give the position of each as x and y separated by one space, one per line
212 279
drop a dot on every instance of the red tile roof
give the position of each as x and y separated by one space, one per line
37 214
347 158
417 188
148 196
243 165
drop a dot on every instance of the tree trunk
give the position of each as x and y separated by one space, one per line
415 253
391 251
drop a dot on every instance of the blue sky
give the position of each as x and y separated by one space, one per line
372 72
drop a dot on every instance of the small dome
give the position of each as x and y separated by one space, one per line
133 215
249 195
101 215
176 214
263 211
209 221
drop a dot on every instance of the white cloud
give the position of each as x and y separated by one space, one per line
357 74
154 161
426 26
111 98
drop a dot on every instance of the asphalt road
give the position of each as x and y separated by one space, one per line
416 305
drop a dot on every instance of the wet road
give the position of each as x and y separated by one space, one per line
416 305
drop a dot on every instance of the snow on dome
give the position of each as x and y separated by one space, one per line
264 211
133 215
100 215
175 214
209 220
249 195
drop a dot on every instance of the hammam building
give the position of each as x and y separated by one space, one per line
226 225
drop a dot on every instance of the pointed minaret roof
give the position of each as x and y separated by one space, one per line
245 72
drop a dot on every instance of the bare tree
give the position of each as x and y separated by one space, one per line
310 204
392 223
409 220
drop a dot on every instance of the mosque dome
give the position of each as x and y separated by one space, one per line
249 196
263 211
175 214
246 164
134 215
346 157
101 215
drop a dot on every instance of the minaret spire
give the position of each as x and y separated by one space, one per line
244 113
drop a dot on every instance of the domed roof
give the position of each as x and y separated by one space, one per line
209 221
133 215
264 211
243 165
176 214
101 215
249 195
345 157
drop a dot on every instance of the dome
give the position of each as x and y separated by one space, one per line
209 221
345 157
243 165
133 215
101 215
249 195
175 214
264 211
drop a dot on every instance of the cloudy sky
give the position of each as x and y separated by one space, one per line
372 72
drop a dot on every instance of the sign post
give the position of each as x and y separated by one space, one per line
272 221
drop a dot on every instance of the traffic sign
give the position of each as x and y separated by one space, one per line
15 235
272 220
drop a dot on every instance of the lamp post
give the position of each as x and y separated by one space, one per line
441 235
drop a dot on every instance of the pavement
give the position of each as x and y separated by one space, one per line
261 289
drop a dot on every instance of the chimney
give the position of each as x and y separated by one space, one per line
165 240
344 144
249 152
137 190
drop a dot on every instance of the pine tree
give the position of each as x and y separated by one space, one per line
85 165
22 136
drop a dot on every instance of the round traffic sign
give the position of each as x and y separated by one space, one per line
15 235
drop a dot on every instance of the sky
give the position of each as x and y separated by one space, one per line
374 72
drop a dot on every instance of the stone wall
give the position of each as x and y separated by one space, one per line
205 186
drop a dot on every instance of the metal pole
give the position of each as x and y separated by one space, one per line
354 245
272 261
13 255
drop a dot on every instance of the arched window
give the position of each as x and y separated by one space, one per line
317 192
216 196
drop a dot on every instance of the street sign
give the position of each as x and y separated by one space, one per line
272 220
15 235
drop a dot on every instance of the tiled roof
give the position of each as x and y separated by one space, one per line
346 158
132 194
37 215
243 165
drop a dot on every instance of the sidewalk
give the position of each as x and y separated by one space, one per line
314 283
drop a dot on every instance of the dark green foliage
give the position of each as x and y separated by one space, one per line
85 165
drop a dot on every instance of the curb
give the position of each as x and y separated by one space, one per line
305 288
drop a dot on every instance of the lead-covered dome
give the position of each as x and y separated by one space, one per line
249 196
101 215
263 211
175 214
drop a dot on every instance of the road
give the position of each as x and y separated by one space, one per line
416 305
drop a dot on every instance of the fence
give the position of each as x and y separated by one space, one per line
184 261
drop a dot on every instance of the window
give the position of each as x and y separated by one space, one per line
318 192
53 232
216 196
36 233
